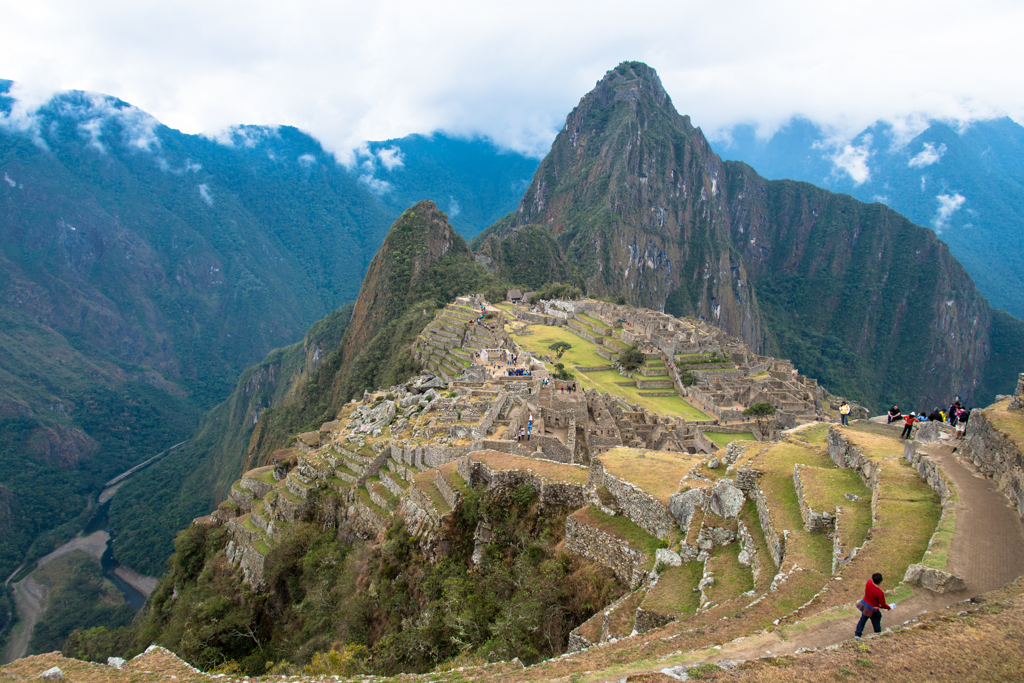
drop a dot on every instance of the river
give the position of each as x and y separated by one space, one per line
95 539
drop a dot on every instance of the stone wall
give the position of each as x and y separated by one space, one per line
640 507
813 521
996 456
626 562
447 492
746 480
562 494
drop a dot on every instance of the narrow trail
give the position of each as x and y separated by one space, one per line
987 551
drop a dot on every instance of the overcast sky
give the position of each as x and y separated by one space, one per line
348 72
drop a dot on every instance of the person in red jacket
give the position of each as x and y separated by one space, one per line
909 421
871 605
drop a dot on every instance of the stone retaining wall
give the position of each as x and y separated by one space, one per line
562 494
640 507
447 492
997 456
258 488
654 384
626 562
746 480
813 521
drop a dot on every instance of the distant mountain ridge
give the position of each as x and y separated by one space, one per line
964 181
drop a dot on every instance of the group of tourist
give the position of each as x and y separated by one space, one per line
519 372
956 416
525 432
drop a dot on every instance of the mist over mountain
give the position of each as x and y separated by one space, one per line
964 181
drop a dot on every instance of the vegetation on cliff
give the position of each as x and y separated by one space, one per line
521 600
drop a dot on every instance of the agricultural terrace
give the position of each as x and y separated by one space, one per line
723 439
656 472
583 354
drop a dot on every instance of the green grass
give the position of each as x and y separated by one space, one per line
731 577
823 492
723 439
667 405
264 474
674 593
1011 424
593 321
582 352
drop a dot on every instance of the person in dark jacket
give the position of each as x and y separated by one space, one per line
935 416
871 606
894 414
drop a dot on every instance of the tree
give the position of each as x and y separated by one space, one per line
560 347
562 373
631 359
761 412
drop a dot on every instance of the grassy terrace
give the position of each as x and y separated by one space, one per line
424 481
823 492
264 474
675 591
364 498
552 471
583 354
1011 424
731 577
622 528
723 439
656 472
908 513
810 551
621 621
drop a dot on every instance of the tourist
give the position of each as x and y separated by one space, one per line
844 412
961 425
953 411
894 414
871 606
908 426
935 415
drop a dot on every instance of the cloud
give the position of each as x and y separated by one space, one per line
390 158
307 160
948 205
927 156
349 72
850 158
204 192
453 207
377 186
242 136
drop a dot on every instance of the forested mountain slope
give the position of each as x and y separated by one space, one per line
964 181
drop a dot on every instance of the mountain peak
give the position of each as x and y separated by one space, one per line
631 81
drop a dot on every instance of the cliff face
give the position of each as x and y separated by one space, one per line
854 293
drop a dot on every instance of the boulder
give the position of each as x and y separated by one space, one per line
667 556
54 674
927 432
934 580
726 500
682 506
115 662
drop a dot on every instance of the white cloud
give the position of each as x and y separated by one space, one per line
851 158
348 72
204 192
927 156
453 207
307 160
377 186
390 158
948 205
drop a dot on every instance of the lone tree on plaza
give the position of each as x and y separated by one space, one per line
761 412
560 347
631 358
